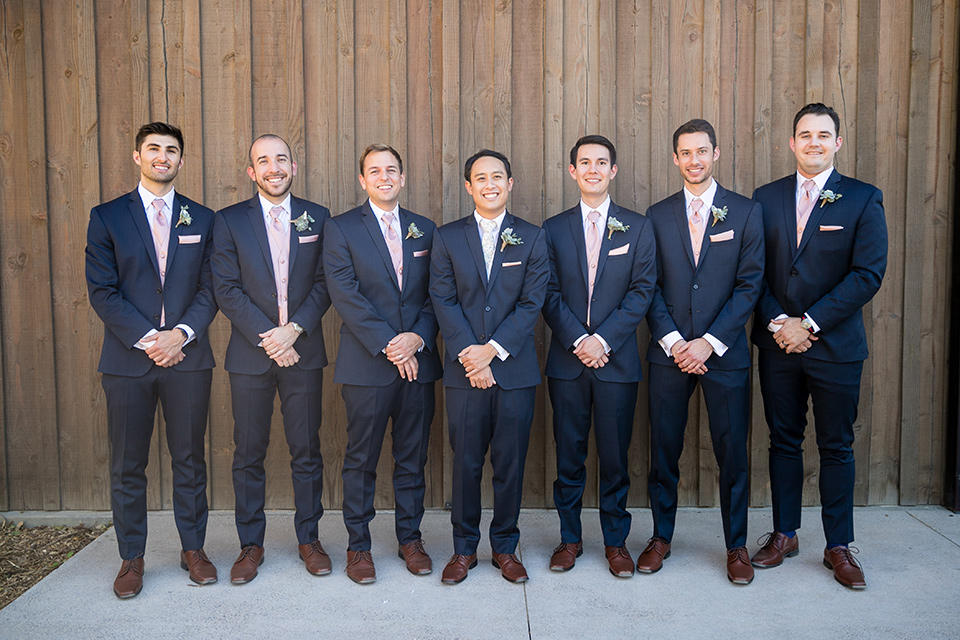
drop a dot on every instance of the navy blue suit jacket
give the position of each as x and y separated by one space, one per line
363 288
246 291
837 268
123 282
718 294
471 310
621 296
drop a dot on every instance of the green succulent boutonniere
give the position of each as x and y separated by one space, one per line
829 196
303 222
615 225
185 218
508 237
413 232
719 215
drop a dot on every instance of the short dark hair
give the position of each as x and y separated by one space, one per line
697 125
160 129
485 153
269 136
817 109
375 147
593 139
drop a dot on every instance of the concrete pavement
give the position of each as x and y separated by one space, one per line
911 557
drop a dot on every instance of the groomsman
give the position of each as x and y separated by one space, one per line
268 280
377 264
488 278
826 240
709 277
602 276
148 279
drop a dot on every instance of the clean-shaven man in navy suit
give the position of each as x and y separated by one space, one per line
826 239
488 278
709 277
377 266
148 278
268 279
602 274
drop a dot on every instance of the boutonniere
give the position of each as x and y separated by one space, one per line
719 215
615 225
303 222
413 232
829 196
509 237
185 218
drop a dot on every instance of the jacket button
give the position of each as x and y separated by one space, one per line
695 287
160 291
273 295
156 316
794 272
482 337
487 309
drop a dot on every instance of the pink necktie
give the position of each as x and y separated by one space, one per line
805 206
161 235
696 232
593 256
279 251
396 249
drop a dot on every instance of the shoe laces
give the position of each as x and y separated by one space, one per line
620 551
361 555
130 565
315 548
740 553
246 551
416 545
564 546
652 543
767 538
848 554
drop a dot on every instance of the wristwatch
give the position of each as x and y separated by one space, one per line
806 324
296 327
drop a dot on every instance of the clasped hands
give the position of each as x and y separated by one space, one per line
591 352
402 351
165 348
278 344
791 337
476 361
691 356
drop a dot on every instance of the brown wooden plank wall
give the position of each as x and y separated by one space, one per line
439 79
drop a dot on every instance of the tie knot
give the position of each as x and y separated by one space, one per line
809 186
275 213
388 219
593 216
695 204
489 226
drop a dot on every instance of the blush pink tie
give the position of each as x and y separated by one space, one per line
696 230
593 256
395 247
161 237
805 206
279 252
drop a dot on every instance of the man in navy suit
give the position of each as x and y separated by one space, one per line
709 276
377 265
268 279
602 274
488 278
826 240
148 278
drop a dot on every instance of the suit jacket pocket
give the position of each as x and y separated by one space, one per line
190 239
511 264
306 239
722 237
619 251
421 254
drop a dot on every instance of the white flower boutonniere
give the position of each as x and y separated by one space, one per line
303 222
413 231
509 237
719 215
615 225
829 196
185 218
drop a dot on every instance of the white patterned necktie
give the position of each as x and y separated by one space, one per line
395 247
489 242
696 229
805 206
161 236
593 256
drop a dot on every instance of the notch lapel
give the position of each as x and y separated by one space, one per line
143 227
369 219
472 235
813 222
508 222
255 218
719 200
575 218
683 227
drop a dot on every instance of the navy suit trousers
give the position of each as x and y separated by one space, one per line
131 412
612 405
787 382
410 405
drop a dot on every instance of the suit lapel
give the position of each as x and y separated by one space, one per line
143 227
473 242
376 235
508 222
813 222
407 245
296 210
173 242
683 226
719 200
255 217
606 239
575 218
790 211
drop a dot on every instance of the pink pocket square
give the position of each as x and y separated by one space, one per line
189 239
306 239
722 237
619 251
420 254
511 264
831 227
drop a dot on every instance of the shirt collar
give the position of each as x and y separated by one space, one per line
820 179
379 213
266 205
498 220
148 199
706 197
603 209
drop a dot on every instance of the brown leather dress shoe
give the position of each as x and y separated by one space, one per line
621 564
651 560
846 568
360 567
739 570
417 560
774 548
245 567
565 556
129 581
315 558
198 564
456 570
510 567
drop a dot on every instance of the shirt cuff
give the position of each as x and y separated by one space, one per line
666 342
190 333
816 327
576 343
718 347
606 347
773 328
502 353
144 342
